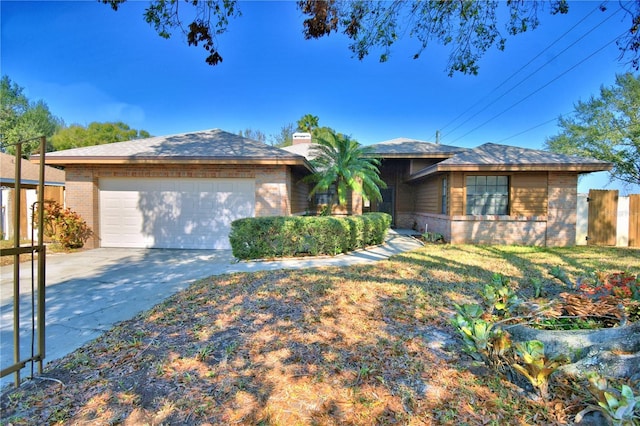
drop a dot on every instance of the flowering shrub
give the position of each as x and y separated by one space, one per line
64 226
619 284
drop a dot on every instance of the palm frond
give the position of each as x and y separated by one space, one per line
343 162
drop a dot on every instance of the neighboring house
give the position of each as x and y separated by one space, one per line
183 191
179 191
30 176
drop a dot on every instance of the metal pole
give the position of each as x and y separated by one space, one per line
41 258
16 262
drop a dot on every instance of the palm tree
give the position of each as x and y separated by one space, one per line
342 163
308 123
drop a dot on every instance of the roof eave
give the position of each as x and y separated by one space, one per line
577 168
63 161
412 156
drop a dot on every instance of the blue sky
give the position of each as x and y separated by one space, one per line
89 63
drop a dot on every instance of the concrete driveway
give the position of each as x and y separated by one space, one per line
89 292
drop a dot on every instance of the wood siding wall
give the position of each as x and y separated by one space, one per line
457 200
428 195
528 194
299 194
420 164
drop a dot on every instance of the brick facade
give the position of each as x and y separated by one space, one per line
562 209
272 193
555 228
498 230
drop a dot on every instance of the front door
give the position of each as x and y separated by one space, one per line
387 205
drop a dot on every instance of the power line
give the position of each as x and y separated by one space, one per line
531 128
540 88
536 71
561 116
520 69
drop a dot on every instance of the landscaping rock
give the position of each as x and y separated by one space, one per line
612 352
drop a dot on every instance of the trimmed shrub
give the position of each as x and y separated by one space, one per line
288 236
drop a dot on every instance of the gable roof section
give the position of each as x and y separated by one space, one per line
205 147
29 173
495 157
412 148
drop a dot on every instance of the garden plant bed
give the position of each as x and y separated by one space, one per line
359 345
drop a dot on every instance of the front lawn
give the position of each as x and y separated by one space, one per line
358 345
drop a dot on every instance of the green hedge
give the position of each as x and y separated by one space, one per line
280 236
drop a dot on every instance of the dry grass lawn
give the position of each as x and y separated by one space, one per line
360 345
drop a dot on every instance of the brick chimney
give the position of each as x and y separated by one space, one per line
300 137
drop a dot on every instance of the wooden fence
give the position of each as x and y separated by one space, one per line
607 219
634 220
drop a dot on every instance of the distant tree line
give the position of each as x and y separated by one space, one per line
24 120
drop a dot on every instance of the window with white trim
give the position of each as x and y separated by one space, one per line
487 195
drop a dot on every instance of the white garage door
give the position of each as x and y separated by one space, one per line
172 213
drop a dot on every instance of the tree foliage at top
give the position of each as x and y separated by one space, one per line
468 27
284 137
77 136
308 123
256 135
22 120
206 20
344 164
606 128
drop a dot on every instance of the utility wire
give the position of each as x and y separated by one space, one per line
540 88
520 69
537 70
531 128
561 116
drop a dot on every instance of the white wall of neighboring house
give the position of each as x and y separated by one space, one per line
582 220
4 213
5 216
622 230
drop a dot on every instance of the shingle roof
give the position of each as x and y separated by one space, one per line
30 173
412 148
199 146
491 156
495 154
